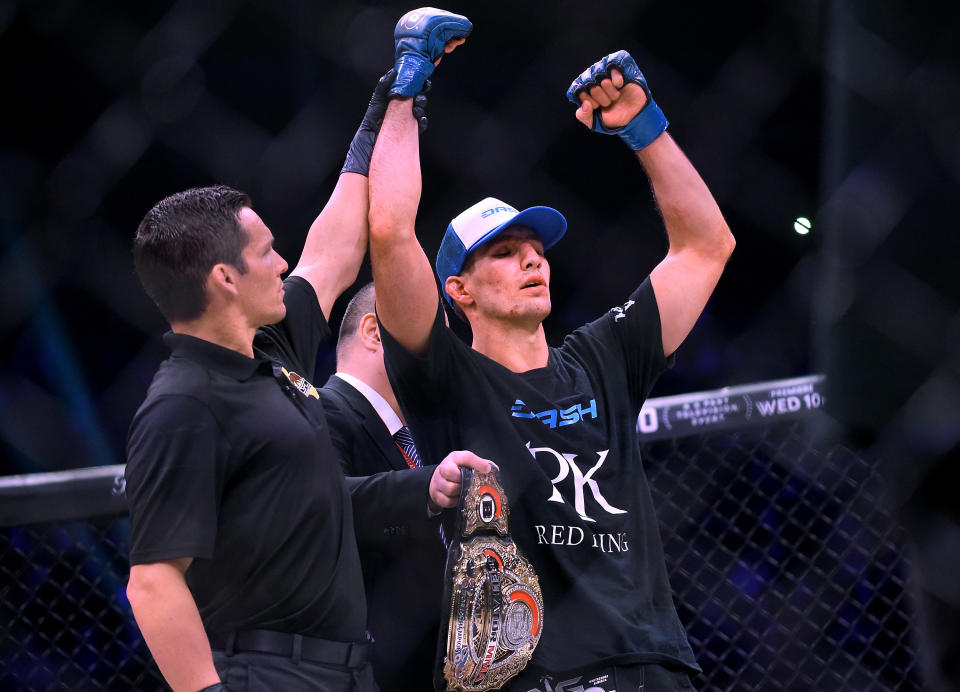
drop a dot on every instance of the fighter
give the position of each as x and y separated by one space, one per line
559 422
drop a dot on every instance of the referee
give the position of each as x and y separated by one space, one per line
245 572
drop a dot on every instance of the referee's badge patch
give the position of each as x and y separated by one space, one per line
301 383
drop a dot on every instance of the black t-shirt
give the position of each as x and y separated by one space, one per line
565 439
229 461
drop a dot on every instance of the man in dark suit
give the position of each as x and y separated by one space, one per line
397 525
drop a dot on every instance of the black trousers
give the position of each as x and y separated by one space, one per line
248 671
630 678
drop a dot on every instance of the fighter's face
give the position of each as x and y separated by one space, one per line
509 277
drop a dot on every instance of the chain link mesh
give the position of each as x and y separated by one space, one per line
62 591
785 564
786 567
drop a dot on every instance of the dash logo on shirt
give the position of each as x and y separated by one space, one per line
556 417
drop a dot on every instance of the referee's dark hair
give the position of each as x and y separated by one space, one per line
363 302
181 239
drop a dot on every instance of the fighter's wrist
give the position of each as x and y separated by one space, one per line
645 126
412 72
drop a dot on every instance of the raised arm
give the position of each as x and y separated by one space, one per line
406 291
337 239
336 242
700 240
614 98
407 296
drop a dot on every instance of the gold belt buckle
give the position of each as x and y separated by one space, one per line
496 607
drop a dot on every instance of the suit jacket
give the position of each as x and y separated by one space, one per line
400 548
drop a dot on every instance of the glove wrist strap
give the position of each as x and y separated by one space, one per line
645 127
412 72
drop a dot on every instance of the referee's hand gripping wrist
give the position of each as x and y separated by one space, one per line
361 147
360 151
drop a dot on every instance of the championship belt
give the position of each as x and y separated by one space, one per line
495 604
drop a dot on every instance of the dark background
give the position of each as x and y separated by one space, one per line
846 112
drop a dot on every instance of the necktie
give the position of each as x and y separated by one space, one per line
404 441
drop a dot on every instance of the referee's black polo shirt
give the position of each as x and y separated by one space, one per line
230 463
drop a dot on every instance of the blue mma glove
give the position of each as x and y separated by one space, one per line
647 125
420 37
361 148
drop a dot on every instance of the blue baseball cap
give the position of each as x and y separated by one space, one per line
482 222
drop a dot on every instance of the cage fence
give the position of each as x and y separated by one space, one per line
786 564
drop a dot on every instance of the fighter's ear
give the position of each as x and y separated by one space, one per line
457 291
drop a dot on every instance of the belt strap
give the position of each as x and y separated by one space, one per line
294 646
